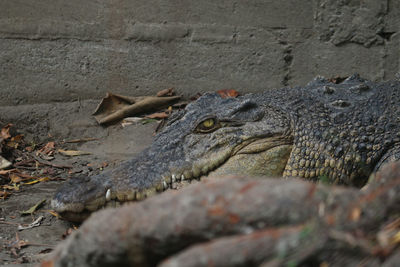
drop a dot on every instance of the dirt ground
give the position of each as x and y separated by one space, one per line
59 122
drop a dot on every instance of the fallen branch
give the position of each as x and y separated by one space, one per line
35 223
9 223
45 162
81 140
145 105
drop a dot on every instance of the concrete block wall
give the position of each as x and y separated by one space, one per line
56 50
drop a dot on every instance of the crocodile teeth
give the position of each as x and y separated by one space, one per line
167 179
131 196
173 178
160 187
182 177
108 195
205 169
151 192
140 195
165 185
187 174
121 196
196 171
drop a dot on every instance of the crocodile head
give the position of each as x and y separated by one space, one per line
211 135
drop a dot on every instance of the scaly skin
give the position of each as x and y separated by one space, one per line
340 133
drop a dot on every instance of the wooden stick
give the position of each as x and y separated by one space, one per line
147 104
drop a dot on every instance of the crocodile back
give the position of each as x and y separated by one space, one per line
341 130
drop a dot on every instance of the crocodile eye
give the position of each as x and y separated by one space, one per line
207 126
208 123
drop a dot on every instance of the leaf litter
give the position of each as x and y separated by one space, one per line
15 246
29 164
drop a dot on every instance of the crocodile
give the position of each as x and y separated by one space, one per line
337 133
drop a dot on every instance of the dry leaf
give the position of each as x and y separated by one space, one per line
81 140
4 163
106 114
4 194
33 208
5 131
166 92
390 234
130 120
55 214
158 115
13 144
180 105
73 153
4 172
227 93
11 187
17 138
14 141
15 178
396 238
355 214
25 176
48 148
35 223
104 164
43 179
112 103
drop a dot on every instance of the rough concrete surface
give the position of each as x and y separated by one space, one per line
52 51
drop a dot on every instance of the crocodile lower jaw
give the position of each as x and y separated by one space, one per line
79 213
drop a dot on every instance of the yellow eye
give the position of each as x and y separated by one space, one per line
207 126
208 123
